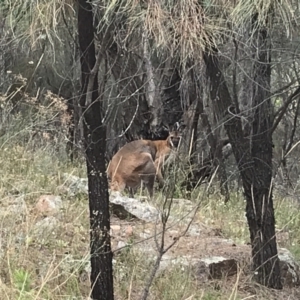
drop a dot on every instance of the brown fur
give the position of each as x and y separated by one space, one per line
138 161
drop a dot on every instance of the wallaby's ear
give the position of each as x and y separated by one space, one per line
175 127
178 126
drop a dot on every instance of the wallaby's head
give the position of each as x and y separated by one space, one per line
175 135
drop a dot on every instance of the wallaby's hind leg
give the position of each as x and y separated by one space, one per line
150 185
132 191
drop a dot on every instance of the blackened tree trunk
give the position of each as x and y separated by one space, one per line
94 144
253 155
216 154
260 211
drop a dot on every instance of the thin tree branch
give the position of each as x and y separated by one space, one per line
92 76
280 113
282 89
234 82
291 141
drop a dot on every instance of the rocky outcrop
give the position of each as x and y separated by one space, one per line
222 262
290 269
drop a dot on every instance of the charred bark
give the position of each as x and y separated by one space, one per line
259 209
94 145
254 157
201 170
288 142
217 157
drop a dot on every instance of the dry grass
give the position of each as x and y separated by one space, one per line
52 263
284 11
37 19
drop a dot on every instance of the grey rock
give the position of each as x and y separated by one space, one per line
217 267
45 227
290 269
132 207
144 235
142 211
75 185
194 230
121 244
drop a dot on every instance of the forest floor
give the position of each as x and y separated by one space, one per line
47 256
206 238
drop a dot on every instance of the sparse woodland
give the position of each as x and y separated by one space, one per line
80 79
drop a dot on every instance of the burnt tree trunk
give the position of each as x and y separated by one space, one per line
94 145
258 191
254 158
218 161
283 161
193 95
288 143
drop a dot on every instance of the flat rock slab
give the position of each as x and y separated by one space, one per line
142 211
210 256
290 269
216 267
75 185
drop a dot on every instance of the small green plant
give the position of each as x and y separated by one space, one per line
22 281
211 296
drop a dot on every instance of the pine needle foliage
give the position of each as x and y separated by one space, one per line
183 28
186 28
36 19
282 10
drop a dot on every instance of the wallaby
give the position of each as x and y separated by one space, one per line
141 161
